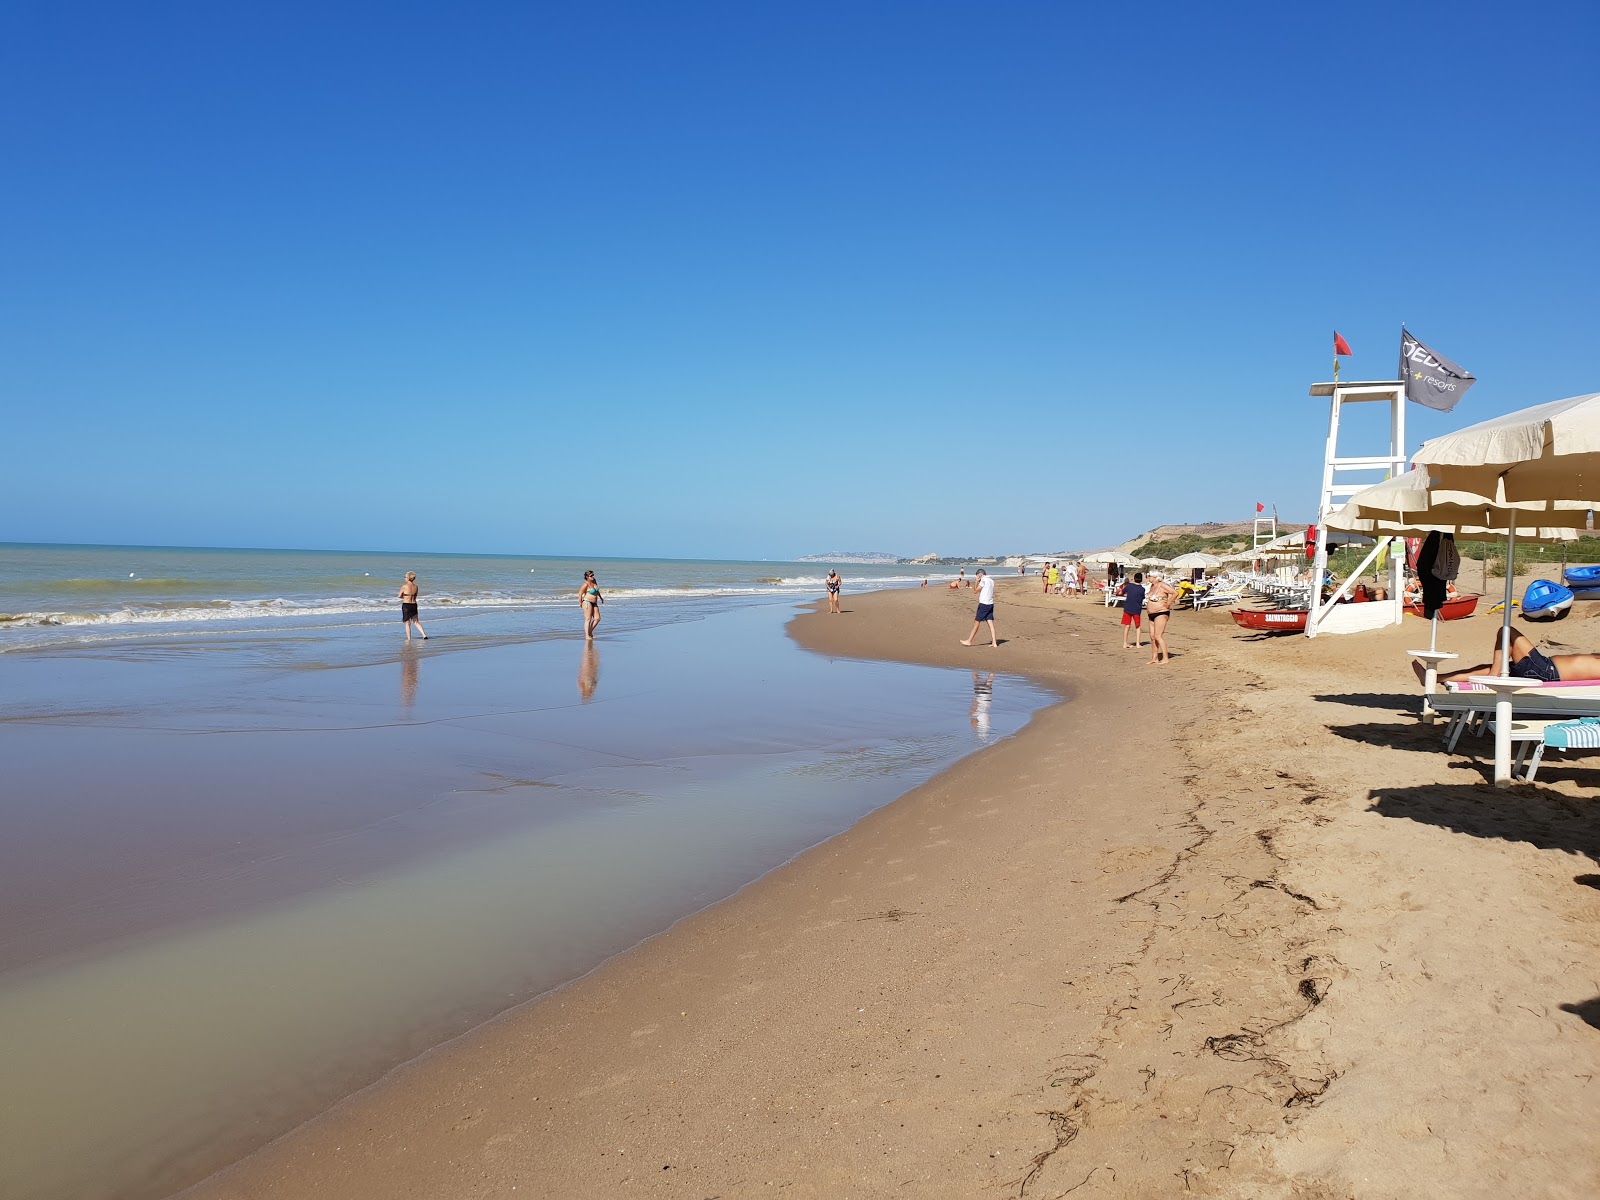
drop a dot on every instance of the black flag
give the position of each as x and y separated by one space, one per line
1431 379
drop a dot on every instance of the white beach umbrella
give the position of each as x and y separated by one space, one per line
1407 506
1195 558
1158 562
1549 452
1420 495
1106 557
1289 541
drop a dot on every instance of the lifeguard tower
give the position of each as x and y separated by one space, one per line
1264 532
1329 616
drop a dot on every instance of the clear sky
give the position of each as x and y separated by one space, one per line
756 279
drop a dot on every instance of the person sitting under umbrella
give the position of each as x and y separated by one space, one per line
1527 662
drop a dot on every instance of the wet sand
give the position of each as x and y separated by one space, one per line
240 882
1235 926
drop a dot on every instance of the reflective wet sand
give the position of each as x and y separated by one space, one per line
243 880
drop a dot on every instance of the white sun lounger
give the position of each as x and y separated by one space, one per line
1533 710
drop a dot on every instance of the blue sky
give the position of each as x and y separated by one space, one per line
758 280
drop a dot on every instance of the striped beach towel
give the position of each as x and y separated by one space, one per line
1582 734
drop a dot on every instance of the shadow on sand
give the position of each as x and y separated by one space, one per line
1408 735
1525 813
1587 1011
1396 702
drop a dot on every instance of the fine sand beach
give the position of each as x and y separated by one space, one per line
1234 926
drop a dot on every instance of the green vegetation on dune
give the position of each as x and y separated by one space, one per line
1225 543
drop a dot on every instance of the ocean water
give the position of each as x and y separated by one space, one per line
55 594
253 861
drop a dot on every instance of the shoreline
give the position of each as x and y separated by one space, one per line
1162 939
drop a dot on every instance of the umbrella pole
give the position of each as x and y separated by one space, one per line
1505 624
1503 712
1433 636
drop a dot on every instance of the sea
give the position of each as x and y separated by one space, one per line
256 850
51 595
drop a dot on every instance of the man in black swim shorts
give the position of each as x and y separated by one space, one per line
408 605
1527 662
985 610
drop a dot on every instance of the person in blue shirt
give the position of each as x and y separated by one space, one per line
1133 612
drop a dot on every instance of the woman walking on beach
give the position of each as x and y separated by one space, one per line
1158 607
834 583
408 605
590 598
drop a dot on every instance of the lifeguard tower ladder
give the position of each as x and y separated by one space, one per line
1264 532
1329 616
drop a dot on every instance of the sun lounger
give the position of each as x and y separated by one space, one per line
1217 597
1581 734
1471 708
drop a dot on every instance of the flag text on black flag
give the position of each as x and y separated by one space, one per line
1431 379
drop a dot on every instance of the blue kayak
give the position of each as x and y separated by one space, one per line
1582 577
1546 601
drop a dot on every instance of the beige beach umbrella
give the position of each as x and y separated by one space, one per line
1157 562
1550 452
1406 506
1193 559
1419 495
1288 541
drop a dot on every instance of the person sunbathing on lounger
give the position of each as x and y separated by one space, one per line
1528 663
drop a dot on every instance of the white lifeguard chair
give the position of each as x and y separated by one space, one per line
1329 616
1264 532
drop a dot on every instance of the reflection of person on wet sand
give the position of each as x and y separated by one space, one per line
408 677
982 698
588 671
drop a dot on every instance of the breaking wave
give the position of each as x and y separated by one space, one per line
208 611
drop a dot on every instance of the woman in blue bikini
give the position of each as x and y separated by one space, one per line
590 598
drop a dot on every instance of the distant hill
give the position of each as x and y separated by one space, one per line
1169 541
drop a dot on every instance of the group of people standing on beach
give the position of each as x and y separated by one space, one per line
1065 579
1138 602
1154 602
589 600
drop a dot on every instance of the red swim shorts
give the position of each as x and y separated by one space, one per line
1133 619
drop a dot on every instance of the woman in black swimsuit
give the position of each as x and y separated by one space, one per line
1158 607
833 581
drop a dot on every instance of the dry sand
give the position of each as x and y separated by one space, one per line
1235 926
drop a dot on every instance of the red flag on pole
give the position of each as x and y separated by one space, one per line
1340 346
1260 507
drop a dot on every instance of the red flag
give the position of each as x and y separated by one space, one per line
1340 346
1260 507
1311 542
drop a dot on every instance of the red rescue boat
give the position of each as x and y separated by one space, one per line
1451 610
1270 620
